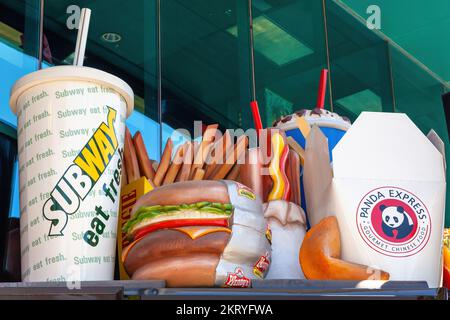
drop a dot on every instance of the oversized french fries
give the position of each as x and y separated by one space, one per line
297 148
204 148
198 174
155 165
234 173
185 170
195 147
210 133
145 165
164 163
217 154
227 143
200 158
214 158
234 153
131 162
176 165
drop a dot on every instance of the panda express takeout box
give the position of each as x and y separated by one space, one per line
386 187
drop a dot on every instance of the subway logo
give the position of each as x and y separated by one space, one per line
81 176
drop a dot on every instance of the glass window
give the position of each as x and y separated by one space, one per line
418 94
289 51
122 41
360 71
19 38
205 63
422 35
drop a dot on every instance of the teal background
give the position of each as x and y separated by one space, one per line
417 26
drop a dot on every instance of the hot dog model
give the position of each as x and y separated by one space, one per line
198 234
275 172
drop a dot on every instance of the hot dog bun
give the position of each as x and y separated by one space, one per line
185 193
173 255
187 271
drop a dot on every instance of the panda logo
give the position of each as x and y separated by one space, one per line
396 222
393 221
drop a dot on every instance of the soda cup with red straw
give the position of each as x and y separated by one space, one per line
322 89
332 125
256 115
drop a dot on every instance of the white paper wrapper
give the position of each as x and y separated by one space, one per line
387 190
247 255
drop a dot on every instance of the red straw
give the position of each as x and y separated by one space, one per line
322 89
256 115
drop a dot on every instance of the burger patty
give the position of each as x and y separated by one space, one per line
160 244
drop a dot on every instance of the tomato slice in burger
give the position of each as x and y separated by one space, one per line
181 223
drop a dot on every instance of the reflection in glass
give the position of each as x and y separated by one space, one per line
289 48
359 60
121 41
205 53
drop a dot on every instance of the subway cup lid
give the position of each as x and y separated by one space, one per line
74 73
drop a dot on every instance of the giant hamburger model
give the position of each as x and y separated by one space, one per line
198 234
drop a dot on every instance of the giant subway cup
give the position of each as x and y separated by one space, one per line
71 125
